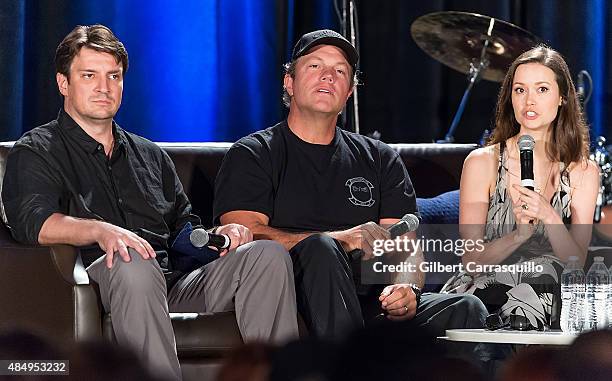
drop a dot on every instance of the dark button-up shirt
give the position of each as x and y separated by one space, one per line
58 168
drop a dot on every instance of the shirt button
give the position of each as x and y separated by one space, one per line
99 147
120 201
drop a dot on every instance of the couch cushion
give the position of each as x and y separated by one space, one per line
442 209
198 334
440 221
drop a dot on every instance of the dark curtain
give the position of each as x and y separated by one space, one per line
12 64
211 70
409 97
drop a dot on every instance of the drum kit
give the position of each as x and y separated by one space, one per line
483 47
476 45
603 208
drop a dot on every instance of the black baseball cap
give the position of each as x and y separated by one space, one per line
325 37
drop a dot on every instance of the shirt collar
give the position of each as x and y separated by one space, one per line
66 122
333 143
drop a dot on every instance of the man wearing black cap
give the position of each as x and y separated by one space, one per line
324 193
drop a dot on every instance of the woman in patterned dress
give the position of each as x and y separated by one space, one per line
519 225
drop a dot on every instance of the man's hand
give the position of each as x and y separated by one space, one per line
114 239
399 301
238 234
361 237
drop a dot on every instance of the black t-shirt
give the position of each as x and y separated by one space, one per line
310 187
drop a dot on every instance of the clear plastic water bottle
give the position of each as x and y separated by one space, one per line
572 296
580 305
610 297
597 280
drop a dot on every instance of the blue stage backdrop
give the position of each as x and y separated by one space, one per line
211 70
578 29
199 70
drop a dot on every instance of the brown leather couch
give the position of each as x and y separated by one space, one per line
47 290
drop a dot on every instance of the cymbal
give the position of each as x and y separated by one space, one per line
456 39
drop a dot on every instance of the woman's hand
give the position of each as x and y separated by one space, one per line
531 207
525 224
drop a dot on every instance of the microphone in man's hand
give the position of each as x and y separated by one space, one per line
526 144
408 223
199 237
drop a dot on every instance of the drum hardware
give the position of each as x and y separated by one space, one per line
477 45
601 157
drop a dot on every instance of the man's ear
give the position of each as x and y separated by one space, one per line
349 94
62 83
288 84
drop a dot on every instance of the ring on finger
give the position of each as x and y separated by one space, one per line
525 206
406 307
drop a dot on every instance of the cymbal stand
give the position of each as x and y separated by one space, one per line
350 30
473 77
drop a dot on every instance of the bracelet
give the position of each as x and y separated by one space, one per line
417 293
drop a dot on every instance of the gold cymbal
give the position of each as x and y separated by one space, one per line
456 39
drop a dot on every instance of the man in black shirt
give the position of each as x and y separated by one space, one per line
324 193
82 180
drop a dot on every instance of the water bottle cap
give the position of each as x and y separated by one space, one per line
598 259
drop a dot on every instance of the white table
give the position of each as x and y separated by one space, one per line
510 337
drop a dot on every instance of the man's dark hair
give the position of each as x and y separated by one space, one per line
96 37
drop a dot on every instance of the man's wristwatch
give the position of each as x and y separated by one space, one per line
417 293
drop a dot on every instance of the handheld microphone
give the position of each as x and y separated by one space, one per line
200 237
526 144
408 223
598 205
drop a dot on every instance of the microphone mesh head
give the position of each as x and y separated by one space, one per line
526 142
412 221
198 237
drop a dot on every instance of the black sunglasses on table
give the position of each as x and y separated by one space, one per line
515 322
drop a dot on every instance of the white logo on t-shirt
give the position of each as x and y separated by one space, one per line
360 190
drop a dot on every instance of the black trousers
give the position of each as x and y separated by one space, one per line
333 303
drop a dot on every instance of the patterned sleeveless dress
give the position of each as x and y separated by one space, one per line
534 294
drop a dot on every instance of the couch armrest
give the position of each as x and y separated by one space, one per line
45 289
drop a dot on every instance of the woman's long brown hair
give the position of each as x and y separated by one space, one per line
569 135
